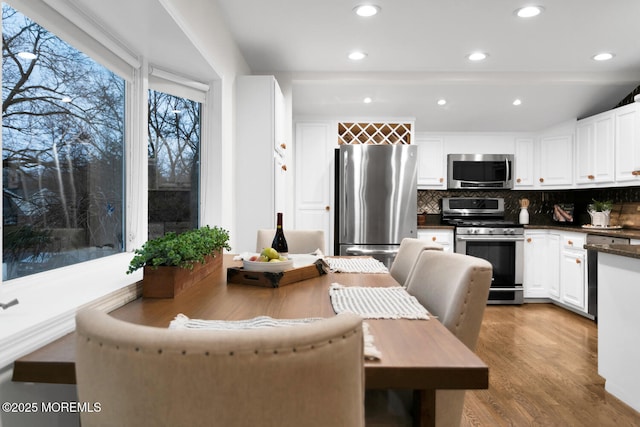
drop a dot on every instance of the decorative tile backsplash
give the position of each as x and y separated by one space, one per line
540 202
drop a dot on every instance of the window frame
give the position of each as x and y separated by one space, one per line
49 300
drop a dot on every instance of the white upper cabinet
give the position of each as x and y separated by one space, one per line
595 161
524 159
556 161
431 163
260 158
627 144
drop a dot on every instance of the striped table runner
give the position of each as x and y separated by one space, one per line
181 321
356 265
376 303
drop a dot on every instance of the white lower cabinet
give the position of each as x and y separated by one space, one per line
573 285
555 267
536 260
441 237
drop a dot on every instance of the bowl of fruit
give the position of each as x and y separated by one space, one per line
269 260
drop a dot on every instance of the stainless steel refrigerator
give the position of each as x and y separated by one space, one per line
376 199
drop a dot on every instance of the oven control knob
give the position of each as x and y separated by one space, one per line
491 231
476 231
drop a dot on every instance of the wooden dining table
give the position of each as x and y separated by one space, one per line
420 355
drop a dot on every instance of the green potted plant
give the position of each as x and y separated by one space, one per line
601 206
174 262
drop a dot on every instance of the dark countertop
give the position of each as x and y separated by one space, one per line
435 226
433 221
631 251
623 232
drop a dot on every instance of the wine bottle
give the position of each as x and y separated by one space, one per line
279 241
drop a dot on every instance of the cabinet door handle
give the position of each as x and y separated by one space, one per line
541 179
441 180
518 180
578 261
635 173
528 239
570 242
327 208
433 238
284 146
284 167
591 177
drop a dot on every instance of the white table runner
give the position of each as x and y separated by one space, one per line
356 265
183 322
376 303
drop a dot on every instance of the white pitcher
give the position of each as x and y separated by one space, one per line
599 219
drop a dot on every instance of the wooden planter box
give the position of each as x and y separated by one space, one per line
168 282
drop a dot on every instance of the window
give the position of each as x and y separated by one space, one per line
62 145
174 149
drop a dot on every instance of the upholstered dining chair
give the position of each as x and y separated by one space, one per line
407 256
306 375
299 241
455 288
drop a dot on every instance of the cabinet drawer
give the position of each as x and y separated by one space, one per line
573 241
441 237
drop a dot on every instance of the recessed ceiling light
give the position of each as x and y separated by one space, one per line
357 55
367 100
477 56
517 102
529 11
366 10
27 55
442 102
604 56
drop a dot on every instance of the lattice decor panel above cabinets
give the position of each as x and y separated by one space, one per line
374 133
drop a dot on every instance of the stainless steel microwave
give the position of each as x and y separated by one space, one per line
479 171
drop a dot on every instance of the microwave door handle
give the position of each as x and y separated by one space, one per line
506 163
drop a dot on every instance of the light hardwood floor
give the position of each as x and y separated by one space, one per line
543 371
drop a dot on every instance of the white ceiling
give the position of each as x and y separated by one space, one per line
416 55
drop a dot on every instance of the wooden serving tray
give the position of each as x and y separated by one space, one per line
275 280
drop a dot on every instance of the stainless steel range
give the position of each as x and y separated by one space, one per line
482 231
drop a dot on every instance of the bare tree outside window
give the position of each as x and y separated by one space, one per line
174 149
62 147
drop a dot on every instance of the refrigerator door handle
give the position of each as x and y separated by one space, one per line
361 251
344 209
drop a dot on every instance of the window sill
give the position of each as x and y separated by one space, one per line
48 301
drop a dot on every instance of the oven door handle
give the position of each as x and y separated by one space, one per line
493 238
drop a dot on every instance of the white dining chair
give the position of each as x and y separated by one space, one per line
299 241
290 376
407 256
455 288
